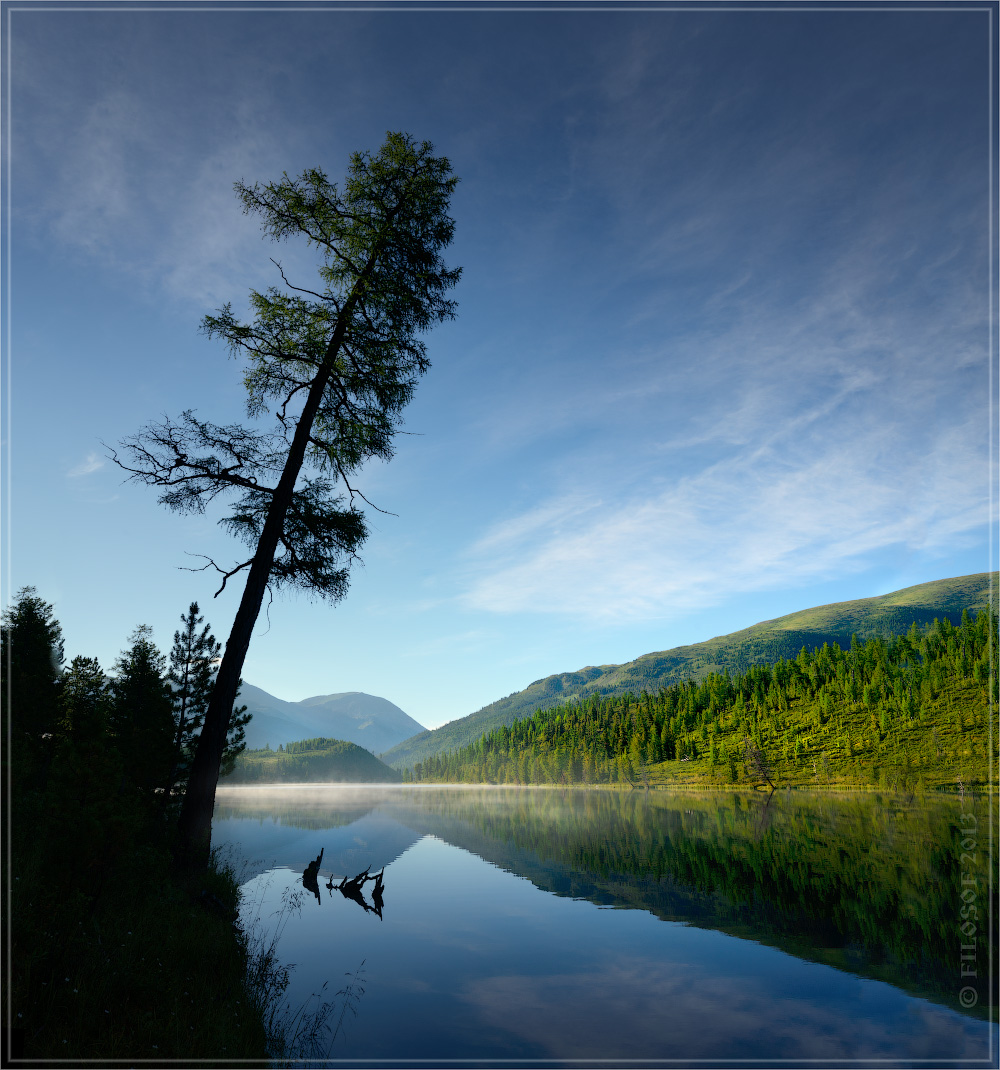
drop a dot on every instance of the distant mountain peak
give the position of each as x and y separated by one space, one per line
339 694
367 720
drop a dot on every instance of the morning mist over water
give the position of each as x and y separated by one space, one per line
572 925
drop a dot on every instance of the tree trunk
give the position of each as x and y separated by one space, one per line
195 823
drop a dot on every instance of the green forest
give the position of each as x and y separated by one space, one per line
328 760
763 643
115 952
908 712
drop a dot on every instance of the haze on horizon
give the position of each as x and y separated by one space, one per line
723 344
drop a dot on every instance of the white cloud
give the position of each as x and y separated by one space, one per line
131 190
637 1008
97 200
549 517
93 462
761 519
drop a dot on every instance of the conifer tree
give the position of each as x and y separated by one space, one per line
84 700
335 366
31 663
31 654
193 661
192 678
141 714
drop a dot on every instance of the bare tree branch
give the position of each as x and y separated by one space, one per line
211 564
354 491
302 290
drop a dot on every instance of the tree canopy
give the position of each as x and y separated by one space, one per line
335 365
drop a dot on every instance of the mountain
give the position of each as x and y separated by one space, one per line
330 761
373 723
910 711
766 642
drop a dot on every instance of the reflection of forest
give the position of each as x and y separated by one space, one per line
871 884
868 884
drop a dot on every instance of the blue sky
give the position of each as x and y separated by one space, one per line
723 344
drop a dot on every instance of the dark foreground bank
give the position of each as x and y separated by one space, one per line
124 959
115 954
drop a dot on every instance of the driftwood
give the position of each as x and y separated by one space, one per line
353 888
349 887
309 877
352 882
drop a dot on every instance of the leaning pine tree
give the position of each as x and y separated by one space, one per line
337 364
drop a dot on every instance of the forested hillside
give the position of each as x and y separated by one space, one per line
766 642
326 760
911 711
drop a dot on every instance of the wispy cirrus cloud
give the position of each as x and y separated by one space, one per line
797 423
761 519
123 199
114 170
93 463
652 1000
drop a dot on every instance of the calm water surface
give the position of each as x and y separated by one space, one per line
572 925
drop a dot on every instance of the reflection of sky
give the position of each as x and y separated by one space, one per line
262 844
470 961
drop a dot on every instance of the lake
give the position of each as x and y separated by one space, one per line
547 925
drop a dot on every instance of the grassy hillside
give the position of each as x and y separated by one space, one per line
766 642
327 760
913 712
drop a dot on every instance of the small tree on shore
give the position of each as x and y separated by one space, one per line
755 763
193 660
84 700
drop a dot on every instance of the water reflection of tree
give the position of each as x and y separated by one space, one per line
865 883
